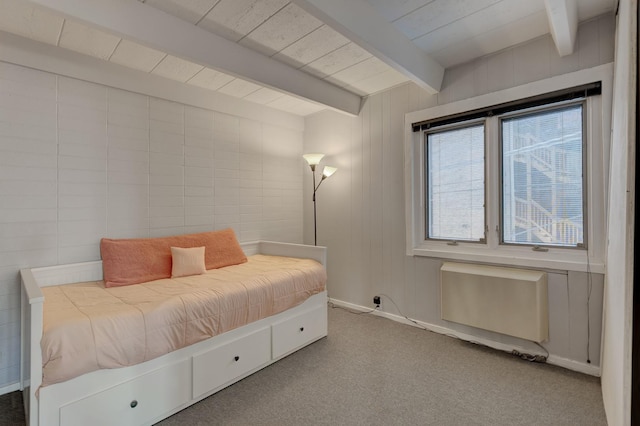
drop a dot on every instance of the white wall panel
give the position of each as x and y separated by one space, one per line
80 161
250 174
128 165
361 208
618 348
198 157
281 184
226 129
82 174
166 167
28 178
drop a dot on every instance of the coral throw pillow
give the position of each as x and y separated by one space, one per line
187 261
139 260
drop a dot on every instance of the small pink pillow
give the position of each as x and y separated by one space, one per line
187 261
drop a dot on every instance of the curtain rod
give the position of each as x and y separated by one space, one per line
577 92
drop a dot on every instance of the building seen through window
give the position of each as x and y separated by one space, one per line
542 194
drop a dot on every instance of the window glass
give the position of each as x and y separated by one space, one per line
455 184
542 178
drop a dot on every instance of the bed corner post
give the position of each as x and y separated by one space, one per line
31 333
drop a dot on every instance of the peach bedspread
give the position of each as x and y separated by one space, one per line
89 327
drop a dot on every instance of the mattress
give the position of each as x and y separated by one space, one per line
87 326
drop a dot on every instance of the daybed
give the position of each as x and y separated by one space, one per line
157 367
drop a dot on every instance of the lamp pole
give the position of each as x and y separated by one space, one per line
315 221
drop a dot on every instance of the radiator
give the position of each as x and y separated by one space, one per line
505 300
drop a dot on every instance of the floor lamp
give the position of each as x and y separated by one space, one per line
314 160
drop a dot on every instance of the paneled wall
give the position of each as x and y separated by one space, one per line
361 214
80 161
619 354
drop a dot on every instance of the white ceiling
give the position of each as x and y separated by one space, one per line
306 51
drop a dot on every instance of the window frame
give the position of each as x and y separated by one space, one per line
596 135
585 170
444 128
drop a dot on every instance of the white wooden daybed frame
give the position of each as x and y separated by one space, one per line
146 393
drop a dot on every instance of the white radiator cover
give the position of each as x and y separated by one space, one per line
505 300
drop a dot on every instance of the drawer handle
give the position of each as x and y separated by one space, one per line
301 329
236 358
134 404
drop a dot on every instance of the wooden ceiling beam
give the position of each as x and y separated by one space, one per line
359 22
154 28
563 22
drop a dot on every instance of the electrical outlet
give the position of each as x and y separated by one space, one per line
376 301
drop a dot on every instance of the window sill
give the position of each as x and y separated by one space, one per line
556 259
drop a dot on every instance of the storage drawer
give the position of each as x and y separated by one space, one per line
138 401
293 333
220 365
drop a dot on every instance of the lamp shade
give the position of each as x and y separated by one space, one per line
328 171
313 159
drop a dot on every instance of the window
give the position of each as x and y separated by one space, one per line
455 183
542 179
516 178
541 174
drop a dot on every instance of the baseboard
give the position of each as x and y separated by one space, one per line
10 388
569 364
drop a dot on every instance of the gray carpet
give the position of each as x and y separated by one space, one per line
373 371
11 409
